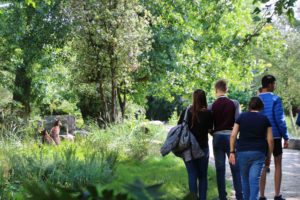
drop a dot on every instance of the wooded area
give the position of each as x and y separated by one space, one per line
95 59
114 64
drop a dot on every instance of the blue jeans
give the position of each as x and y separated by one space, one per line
221 146
197 173
251 164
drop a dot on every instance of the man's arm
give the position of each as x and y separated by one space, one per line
237 109
280 119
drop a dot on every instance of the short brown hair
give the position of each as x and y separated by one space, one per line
256 104
221 85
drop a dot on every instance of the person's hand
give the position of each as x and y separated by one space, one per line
286 144
232 158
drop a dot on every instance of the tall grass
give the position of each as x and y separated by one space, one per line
110 158
68 165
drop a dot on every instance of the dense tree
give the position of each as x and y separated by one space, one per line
56 53
198 42
283 63
29 27
109 38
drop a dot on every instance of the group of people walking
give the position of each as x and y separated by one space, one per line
248 139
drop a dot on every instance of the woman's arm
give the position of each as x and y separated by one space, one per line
233 136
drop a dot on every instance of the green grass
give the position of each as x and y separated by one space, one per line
86 162
169 170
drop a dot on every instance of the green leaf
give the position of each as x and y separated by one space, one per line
31 2
256 18
290 13
256 11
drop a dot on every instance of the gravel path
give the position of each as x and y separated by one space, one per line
290 186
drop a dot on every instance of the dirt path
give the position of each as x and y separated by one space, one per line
290 187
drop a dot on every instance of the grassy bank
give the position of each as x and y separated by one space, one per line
109 158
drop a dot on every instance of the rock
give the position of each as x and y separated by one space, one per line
68 123
81 132
68 137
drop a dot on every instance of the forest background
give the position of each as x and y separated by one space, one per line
114 62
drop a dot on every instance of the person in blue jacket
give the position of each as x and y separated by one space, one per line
273 110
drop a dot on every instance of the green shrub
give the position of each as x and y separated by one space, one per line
139 143
134 191
174 118
66 165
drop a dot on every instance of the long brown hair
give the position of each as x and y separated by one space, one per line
199 104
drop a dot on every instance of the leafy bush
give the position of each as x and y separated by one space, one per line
132 139
174 118
135 191
139 142
92 160
134 111
66 165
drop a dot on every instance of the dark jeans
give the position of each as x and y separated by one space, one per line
197 173
251 164
221 146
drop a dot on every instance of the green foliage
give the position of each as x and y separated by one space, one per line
169 171
130 139
14 129
292 132
66 166
134 111
283 63
242 96
139 143
197 43
160 108
29 28
109 40
134 191
174 118
27 167
5 98
138 190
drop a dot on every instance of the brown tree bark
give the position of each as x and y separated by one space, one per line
122 102
113 95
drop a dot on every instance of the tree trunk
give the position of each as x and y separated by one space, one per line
122 102
292 120
22 89
113 77
104 114
113 95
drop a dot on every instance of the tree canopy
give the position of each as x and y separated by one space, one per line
91 58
